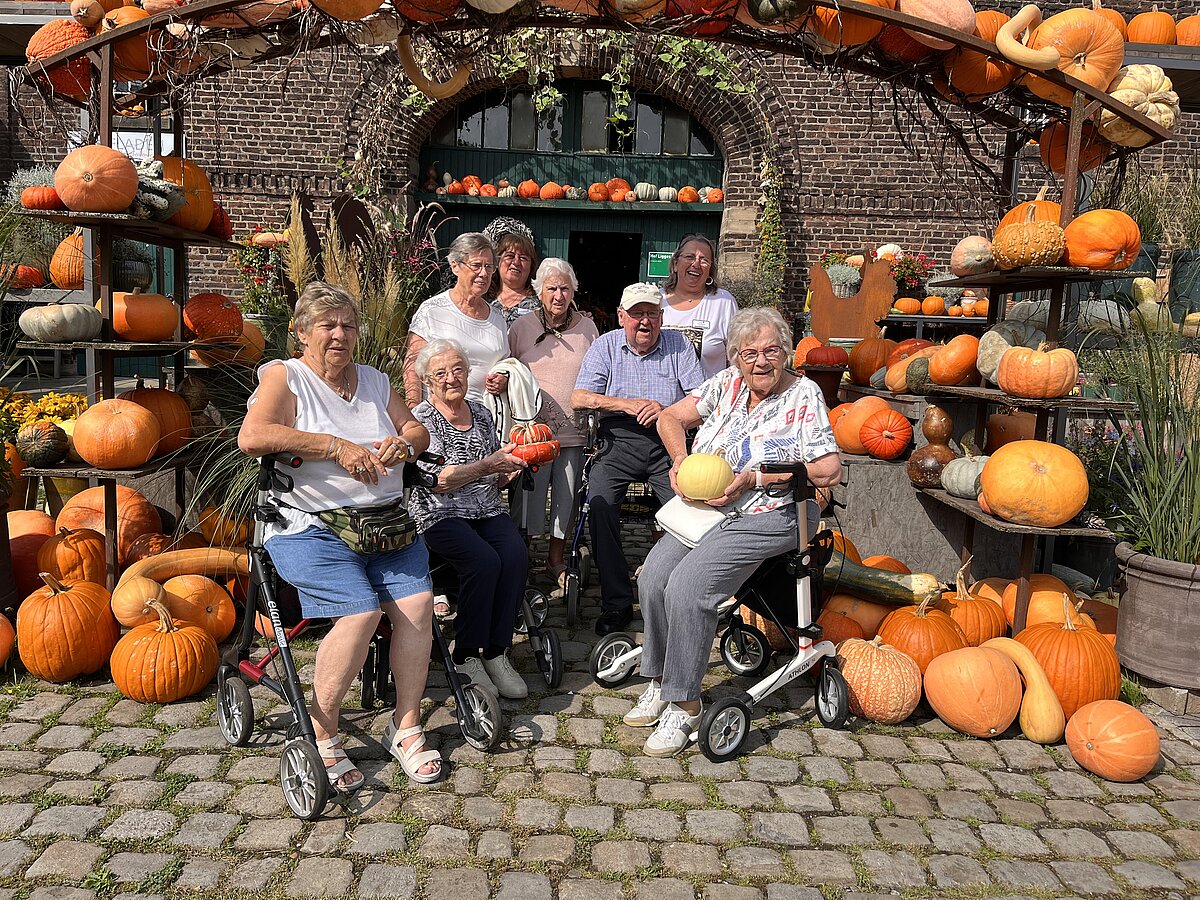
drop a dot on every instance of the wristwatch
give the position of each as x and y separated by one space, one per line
410 452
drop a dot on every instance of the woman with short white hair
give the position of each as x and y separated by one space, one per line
552 343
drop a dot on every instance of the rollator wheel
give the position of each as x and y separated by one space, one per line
723 728
833 696
608 650
550 658
539 608
480 718
235 709
303 779
745 650
370 664
571 595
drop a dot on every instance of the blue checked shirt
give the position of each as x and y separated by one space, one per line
666 373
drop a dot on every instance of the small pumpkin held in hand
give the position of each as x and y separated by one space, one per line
164 661
703 476
1113 740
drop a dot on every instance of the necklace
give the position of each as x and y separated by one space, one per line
343 389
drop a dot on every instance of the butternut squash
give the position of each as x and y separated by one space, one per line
1008 41
1041 719
217 563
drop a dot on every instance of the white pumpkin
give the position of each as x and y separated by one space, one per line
1032 312
646 191
1148 90
61 323
960 477
1103 315
668 194
1000 338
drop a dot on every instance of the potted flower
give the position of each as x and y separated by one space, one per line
264 299
909 270
1156 467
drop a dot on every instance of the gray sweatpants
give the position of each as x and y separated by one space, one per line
680 589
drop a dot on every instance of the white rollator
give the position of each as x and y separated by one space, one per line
745 649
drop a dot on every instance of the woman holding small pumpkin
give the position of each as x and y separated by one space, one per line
694 304
464 519
511 293
355 434
753 412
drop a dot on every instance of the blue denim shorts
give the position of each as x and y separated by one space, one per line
333 580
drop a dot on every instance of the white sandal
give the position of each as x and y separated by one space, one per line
342 766
412 758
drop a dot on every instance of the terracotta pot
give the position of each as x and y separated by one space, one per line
1158 628
828 379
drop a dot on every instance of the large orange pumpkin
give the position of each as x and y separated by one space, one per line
1080 664
144 317
845 546
975 690
211 315
849 427
1113 740
1037 373
133 57
1090 48
247 349
1113 16
923 632
1103 239
222 530
1052 145
116 434
804 346
64 631
164 661
886 434
977 74
28 531
884 684
74 78
955 362
135 516
529 189
833 29
980 619
169 409
1154 27
96 179
198 208
1187 32
1043 211
201 601
74 556
867 357
1045 600
551 190
1034 483
837 627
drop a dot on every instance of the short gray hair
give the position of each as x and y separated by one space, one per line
319 298
467 245
436 348
553 265
749 322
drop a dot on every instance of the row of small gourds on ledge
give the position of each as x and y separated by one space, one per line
615 189
1088 44
902 635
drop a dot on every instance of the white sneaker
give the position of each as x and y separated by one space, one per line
506 679
648 709
676 729
474 670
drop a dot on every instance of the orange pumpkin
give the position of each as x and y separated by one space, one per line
222 530
1052 145
837 627
74 78
1090 48
529 189
689 195
837 412
845 546
955 362
8 638
1037 373
164 661
884 684
28 531
888 563
551 190
211 315
886 434
74 556
1103 239
907 348
867 357
116 434
933 306
1113 740
716 195
615 185
923 632
64 631
247 350
1187 32
976 74
980 619
488 190
974 690
866 613
1045 600
347 10
201 601
908 306
833 29
1103 616
143 317
197 191
135 516
1034 483
598 192
1113 16
456 188
805 345
1043 211
132 57
1154 27
171 411
1080 664
41 197
1005 427
148 545
990 589
848 432
96 179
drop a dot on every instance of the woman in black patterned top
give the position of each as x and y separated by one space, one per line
465 521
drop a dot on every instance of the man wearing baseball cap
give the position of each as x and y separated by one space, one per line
630 375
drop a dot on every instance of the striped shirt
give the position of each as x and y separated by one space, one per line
665 374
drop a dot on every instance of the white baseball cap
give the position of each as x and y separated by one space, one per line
642 292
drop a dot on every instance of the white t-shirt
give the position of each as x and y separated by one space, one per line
790 427
707 325
484 340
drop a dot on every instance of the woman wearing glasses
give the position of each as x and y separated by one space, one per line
463 315
552 343
694 304
753 412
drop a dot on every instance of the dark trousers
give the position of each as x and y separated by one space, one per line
492 564
628 453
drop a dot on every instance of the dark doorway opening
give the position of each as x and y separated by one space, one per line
605 261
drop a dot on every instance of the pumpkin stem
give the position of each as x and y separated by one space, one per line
960 582
923 607
53 583
1068 614
165 625
1041 195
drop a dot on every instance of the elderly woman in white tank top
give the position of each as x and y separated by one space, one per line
354 434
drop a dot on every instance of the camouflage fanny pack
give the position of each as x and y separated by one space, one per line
372 529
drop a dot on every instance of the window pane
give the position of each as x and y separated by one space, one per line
443 134
702 142
675 131
495 127
649 126
549 138
594 135
470 130
523 135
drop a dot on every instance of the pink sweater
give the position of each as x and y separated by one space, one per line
555 364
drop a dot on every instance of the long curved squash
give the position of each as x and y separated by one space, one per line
218 563
1008 42
1042 719
436 90
844 576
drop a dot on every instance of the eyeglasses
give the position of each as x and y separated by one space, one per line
692 258
651 315
442 376
771 354
478 267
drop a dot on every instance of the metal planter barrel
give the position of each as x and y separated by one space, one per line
1158 628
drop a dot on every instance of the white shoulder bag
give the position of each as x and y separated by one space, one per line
688 521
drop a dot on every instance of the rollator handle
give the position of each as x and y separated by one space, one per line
802 488
269 478
414 474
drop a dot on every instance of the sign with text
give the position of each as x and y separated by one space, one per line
658 264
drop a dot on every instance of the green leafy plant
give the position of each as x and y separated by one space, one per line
771 262
260 273
1185 227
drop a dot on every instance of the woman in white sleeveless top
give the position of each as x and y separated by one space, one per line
354 434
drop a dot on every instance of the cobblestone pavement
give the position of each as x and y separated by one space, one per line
103 797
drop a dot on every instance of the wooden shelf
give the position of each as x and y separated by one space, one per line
1031 278
957 321
128 348
971 508
995 395
642 206
83 470
146 230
